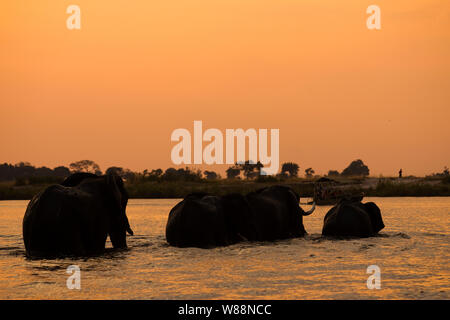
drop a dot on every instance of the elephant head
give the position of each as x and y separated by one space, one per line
352 218
279 214
117 198
300 209
114 197
375 216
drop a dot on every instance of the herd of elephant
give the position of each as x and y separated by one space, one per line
75 218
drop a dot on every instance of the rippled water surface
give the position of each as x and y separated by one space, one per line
412 253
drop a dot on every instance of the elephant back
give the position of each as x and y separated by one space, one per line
277 212
347 219
49 220
239 218
196 222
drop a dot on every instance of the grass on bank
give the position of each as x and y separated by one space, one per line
381 187
389 188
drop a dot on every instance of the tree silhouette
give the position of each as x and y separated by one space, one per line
333 173
291 168
154 175
251 170
356 168
156 172
210 175
170 174
183 174
117 170
309 172
61 171
25 172
85 166
233 172
126 174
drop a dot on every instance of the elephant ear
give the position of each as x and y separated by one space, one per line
375 216
119 198
239 216
111 182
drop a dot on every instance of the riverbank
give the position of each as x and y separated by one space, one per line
375 187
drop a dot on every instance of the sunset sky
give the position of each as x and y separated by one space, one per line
114 91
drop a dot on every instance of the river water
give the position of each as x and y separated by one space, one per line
412 253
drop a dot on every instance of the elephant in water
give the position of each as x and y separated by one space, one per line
76 216
277 213
353 218
202 220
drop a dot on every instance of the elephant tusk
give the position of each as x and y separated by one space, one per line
307 213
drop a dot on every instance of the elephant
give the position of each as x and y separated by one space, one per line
203 220
75 218
277 214
352 218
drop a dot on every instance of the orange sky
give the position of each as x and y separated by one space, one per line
115 90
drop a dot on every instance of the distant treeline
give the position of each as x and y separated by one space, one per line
24 173
22 180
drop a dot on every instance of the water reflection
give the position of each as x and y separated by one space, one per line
412 252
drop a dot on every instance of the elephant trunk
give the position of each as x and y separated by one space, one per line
128 228
307 213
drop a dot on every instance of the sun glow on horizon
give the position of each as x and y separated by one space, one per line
115 90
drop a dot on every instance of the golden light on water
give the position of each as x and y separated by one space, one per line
412 253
